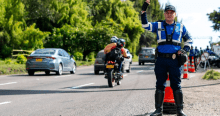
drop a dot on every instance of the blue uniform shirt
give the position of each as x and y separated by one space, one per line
179 33
192 52
196 52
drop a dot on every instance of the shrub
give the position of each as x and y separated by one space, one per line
78 56
211 74
21 59
8 61
91 56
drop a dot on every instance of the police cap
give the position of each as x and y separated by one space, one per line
170 7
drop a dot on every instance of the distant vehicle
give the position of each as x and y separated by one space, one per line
146 54
50 60
100 63
128 54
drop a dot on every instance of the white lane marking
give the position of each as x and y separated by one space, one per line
82 85
140 71
8 83
91 71
125 75
61 76
7 102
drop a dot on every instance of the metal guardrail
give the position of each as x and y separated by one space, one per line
20 52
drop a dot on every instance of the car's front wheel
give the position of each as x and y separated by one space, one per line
218 65
30 73
74 69
96 72
47 72
60 70
129 69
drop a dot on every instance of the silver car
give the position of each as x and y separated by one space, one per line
50 60
147 54
100 63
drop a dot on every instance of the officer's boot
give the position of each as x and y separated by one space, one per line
159 96
178 96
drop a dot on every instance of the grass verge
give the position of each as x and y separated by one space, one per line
211 75
15 68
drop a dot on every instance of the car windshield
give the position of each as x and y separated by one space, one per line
100 55
45 51
147 51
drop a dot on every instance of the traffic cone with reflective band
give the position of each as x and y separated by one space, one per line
189 66
193 67
185 71
169 102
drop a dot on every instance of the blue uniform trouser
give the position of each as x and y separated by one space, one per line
164 66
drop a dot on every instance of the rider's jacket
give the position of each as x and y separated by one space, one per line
112 46
192 52
166 45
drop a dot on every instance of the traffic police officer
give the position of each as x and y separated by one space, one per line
169 37
192 54
208 50
196 56
200 52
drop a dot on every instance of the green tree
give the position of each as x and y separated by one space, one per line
118 14
215 18
12 23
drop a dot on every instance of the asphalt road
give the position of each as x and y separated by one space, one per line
80 94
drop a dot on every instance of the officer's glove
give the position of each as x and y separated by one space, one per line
144 7
181 51
182 56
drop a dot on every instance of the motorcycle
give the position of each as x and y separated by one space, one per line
112 73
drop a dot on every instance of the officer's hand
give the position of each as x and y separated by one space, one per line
145 5
148 1
181 51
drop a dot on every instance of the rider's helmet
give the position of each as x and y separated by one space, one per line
121 42
114 39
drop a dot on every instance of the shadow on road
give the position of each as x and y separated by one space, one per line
91 74
40 74
26 92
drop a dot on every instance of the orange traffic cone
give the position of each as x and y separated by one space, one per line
193 67
169 102
185 72
168 97
189 66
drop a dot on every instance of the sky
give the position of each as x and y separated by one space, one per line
193 14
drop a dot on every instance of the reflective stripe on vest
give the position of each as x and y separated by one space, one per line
146 26
181 30
164 39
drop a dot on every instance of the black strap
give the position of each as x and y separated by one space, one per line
171 43
165 55
169 39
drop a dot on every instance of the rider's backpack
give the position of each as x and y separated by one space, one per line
115 54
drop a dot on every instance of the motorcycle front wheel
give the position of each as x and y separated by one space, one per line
111 79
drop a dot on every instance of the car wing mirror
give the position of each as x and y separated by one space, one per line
71 56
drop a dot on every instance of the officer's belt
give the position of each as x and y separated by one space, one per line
166 55
169 43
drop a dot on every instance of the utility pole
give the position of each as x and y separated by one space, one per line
211 44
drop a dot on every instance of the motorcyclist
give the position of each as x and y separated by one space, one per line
120 44
114 39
